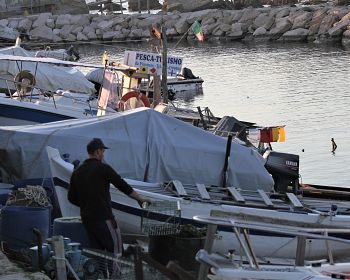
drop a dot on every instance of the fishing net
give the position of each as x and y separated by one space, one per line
161 217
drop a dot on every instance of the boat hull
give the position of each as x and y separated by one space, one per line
129 215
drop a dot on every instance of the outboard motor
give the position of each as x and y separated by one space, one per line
187 73
284 169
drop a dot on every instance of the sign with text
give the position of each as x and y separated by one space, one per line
151 63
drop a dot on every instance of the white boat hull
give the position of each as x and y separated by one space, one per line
128 214
179 86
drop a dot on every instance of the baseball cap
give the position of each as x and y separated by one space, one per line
94 145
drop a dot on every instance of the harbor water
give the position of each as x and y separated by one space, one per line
304 87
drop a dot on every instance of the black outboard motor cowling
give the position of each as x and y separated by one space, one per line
284 169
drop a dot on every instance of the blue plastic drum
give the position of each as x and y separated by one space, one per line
17 223
72 228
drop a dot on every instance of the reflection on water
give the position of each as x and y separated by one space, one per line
304 87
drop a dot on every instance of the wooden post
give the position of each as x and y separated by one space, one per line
148 9
139 6
300 255
58 245
156 90
164 66
208 245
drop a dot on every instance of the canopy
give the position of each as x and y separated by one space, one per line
144 145
48 74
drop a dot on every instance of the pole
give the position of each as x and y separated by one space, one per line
164 56
148 7
58 245
164 66
139 6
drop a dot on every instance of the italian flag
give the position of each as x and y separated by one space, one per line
197 30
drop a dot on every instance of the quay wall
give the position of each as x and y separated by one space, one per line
318 24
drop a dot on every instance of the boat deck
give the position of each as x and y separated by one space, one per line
255 199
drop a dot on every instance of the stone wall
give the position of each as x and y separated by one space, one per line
287 24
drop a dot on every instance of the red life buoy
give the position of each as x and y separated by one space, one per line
138 95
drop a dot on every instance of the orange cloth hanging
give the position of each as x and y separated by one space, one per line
282 134
275 133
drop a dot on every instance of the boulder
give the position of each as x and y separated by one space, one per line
71 38
182 25
295 35
171 32
50 22
327 23
263 20
82 37
108 35
42 32
282 13
91 36
56 32
77 29
25 24
302 21
282 25
88 29
236 31
82 20
249 14
208 29
105 25
338 29
62 20
56 38
13 24
66 30
237 15
4 22
199 15
146 33
8 33
119 36
346 38
260 31
136 33
42 19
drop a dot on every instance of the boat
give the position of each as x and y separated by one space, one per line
151 147
200 200
48 72
248 266
54 90
177 86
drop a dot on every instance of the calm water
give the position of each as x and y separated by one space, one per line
306 88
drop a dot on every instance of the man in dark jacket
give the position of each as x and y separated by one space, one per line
89 190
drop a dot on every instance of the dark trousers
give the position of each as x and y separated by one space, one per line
104 235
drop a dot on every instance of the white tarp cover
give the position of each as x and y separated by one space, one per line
48 76
144 145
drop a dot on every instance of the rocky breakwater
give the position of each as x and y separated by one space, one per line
286 24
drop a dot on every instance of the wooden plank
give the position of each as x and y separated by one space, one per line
236 195
179 188
203 191
265 198
294 200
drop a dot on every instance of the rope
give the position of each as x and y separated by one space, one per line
34 196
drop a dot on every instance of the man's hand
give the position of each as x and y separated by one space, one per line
143 202
140 200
